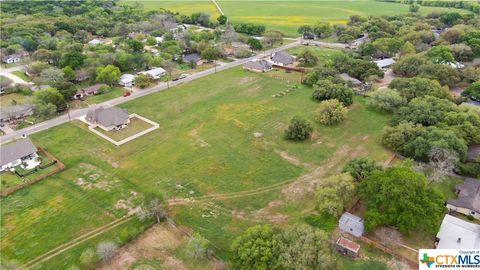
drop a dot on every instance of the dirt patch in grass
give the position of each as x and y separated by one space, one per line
245 80
293 159
95 178
267 213
198 141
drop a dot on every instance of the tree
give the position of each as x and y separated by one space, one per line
50 96
427 110
473 91
271 37
444 74
471 74
308 58
88 258
311 78
254 44
298 130
169 66
396 137
450 18
305 29
401 197
388 46
72 59
334 193
255 249
331 112
109 74
210 54
361 167
46 110
409 66
411 88
462 52
322 29
326 89
222 19
302 247
442 161
440 55
68 73
143 80
106 250
229 35
135 45
52 75
407 49
386 100
156 209
414 8
197 246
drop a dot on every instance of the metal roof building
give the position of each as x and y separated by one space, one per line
351 224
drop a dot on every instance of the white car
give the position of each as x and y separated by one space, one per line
183 76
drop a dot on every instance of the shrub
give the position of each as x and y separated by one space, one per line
298 130
387 100
331 112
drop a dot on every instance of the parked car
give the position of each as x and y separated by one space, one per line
127 93
184 75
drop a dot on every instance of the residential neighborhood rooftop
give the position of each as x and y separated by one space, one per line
16 150
455 233
352 224
258 64
350 245
106 117
283 58
468 195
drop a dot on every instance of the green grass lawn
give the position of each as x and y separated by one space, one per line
113 93
135 126
286 16
22 75
204 145
13 98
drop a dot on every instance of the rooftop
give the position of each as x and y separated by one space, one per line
282 57
468 195
258 64
348 78
16 150
107 117
384 62
455 233
351 224
350 245
193 57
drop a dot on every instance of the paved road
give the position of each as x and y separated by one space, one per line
325 44
7 72
159 87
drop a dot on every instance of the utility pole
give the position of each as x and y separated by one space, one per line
68 112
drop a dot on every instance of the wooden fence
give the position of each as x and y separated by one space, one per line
60 166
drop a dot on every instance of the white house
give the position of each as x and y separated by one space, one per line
127 80
456 233
156 73
108 119
12 58
468 200
14 154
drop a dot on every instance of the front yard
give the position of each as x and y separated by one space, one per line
135 126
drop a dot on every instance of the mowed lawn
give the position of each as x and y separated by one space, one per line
287 15
186 7
205 145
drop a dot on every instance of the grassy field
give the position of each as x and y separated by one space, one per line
14 98
186 7
205 145
22 75
286 15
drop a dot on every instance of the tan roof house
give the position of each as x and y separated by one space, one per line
468 200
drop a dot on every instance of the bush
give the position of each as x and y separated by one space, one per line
106 250
361 167
387 100
326 89
298 130
331 112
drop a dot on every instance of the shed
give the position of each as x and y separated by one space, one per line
351 224
127 80
350 79
384 63
347 247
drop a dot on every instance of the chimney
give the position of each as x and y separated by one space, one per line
459 240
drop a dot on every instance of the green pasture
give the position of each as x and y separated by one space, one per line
205 145
185 7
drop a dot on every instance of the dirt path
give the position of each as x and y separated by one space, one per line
84 237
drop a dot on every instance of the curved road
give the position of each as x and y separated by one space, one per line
159 87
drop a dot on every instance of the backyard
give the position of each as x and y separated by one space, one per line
204 149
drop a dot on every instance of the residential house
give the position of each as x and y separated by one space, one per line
468 200
347 247
384 63
156 73
127 80
282 58
258 65
108 119
12 58
14 154
94 42
15 112
456 233
359 41
351 224
193 58
89 91
349 79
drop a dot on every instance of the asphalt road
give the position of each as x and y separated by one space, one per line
159 87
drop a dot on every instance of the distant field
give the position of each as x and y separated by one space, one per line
186 7
286 16
205 145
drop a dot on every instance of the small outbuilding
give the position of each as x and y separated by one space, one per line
127 80
156 73
95 41
384 63
351 224
347 247
89 91
258 65
353 81
108 119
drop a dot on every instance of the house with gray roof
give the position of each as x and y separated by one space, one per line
13 154
156 73
351 224
88 91
108 119
456 233
282 58
468 199
12 58
127 80
354 81
384 63
192 58
15 112
258 65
